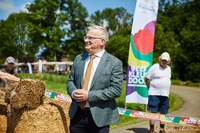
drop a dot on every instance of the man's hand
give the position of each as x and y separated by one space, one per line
80 95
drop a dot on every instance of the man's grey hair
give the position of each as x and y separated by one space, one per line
102 31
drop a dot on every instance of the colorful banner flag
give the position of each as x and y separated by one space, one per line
159 117
58 96
140 50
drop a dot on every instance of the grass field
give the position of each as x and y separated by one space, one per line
58 83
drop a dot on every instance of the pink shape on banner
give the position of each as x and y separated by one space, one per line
143 41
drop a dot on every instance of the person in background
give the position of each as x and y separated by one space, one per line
5 77
93 106
6 73
158 81
9 66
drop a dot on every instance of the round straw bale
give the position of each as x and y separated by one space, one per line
3 116
51 117
27 94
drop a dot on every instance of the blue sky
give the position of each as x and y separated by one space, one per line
10 6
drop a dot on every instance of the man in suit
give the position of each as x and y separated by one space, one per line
105 84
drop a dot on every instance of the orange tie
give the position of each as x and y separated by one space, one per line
87 78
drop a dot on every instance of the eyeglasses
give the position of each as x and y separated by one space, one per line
91 38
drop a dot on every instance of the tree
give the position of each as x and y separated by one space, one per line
118 23
190 39
118 45
77 22
14 37
54 22
45 29
6 41
180 18
113 19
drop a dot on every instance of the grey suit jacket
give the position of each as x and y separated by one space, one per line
105 87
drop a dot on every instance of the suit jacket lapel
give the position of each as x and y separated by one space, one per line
102 63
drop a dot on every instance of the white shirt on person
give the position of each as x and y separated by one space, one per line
160 80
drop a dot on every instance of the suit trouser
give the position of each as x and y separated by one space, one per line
83 122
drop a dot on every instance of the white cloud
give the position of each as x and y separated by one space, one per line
12 6
7 5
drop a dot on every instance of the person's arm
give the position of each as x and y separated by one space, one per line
9 77
147 81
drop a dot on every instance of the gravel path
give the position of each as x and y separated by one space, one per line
191 108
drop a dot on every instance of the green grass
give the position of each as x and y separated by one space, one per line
58 84
53 82
185 83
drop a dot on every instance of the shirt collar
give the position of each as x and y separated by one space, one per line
100 54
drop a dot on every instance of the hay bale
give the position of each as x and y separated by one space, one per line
26 94
27 110
3 125
177 128
3 116
51 117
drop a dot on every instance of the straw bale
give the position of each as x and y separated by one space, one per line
3 116
26 94
177 128
50 117
25 109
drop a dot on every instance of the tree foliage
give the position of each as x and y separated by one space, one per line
45 30
113 19
180 18
54 24
14 37
118 23
77 23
